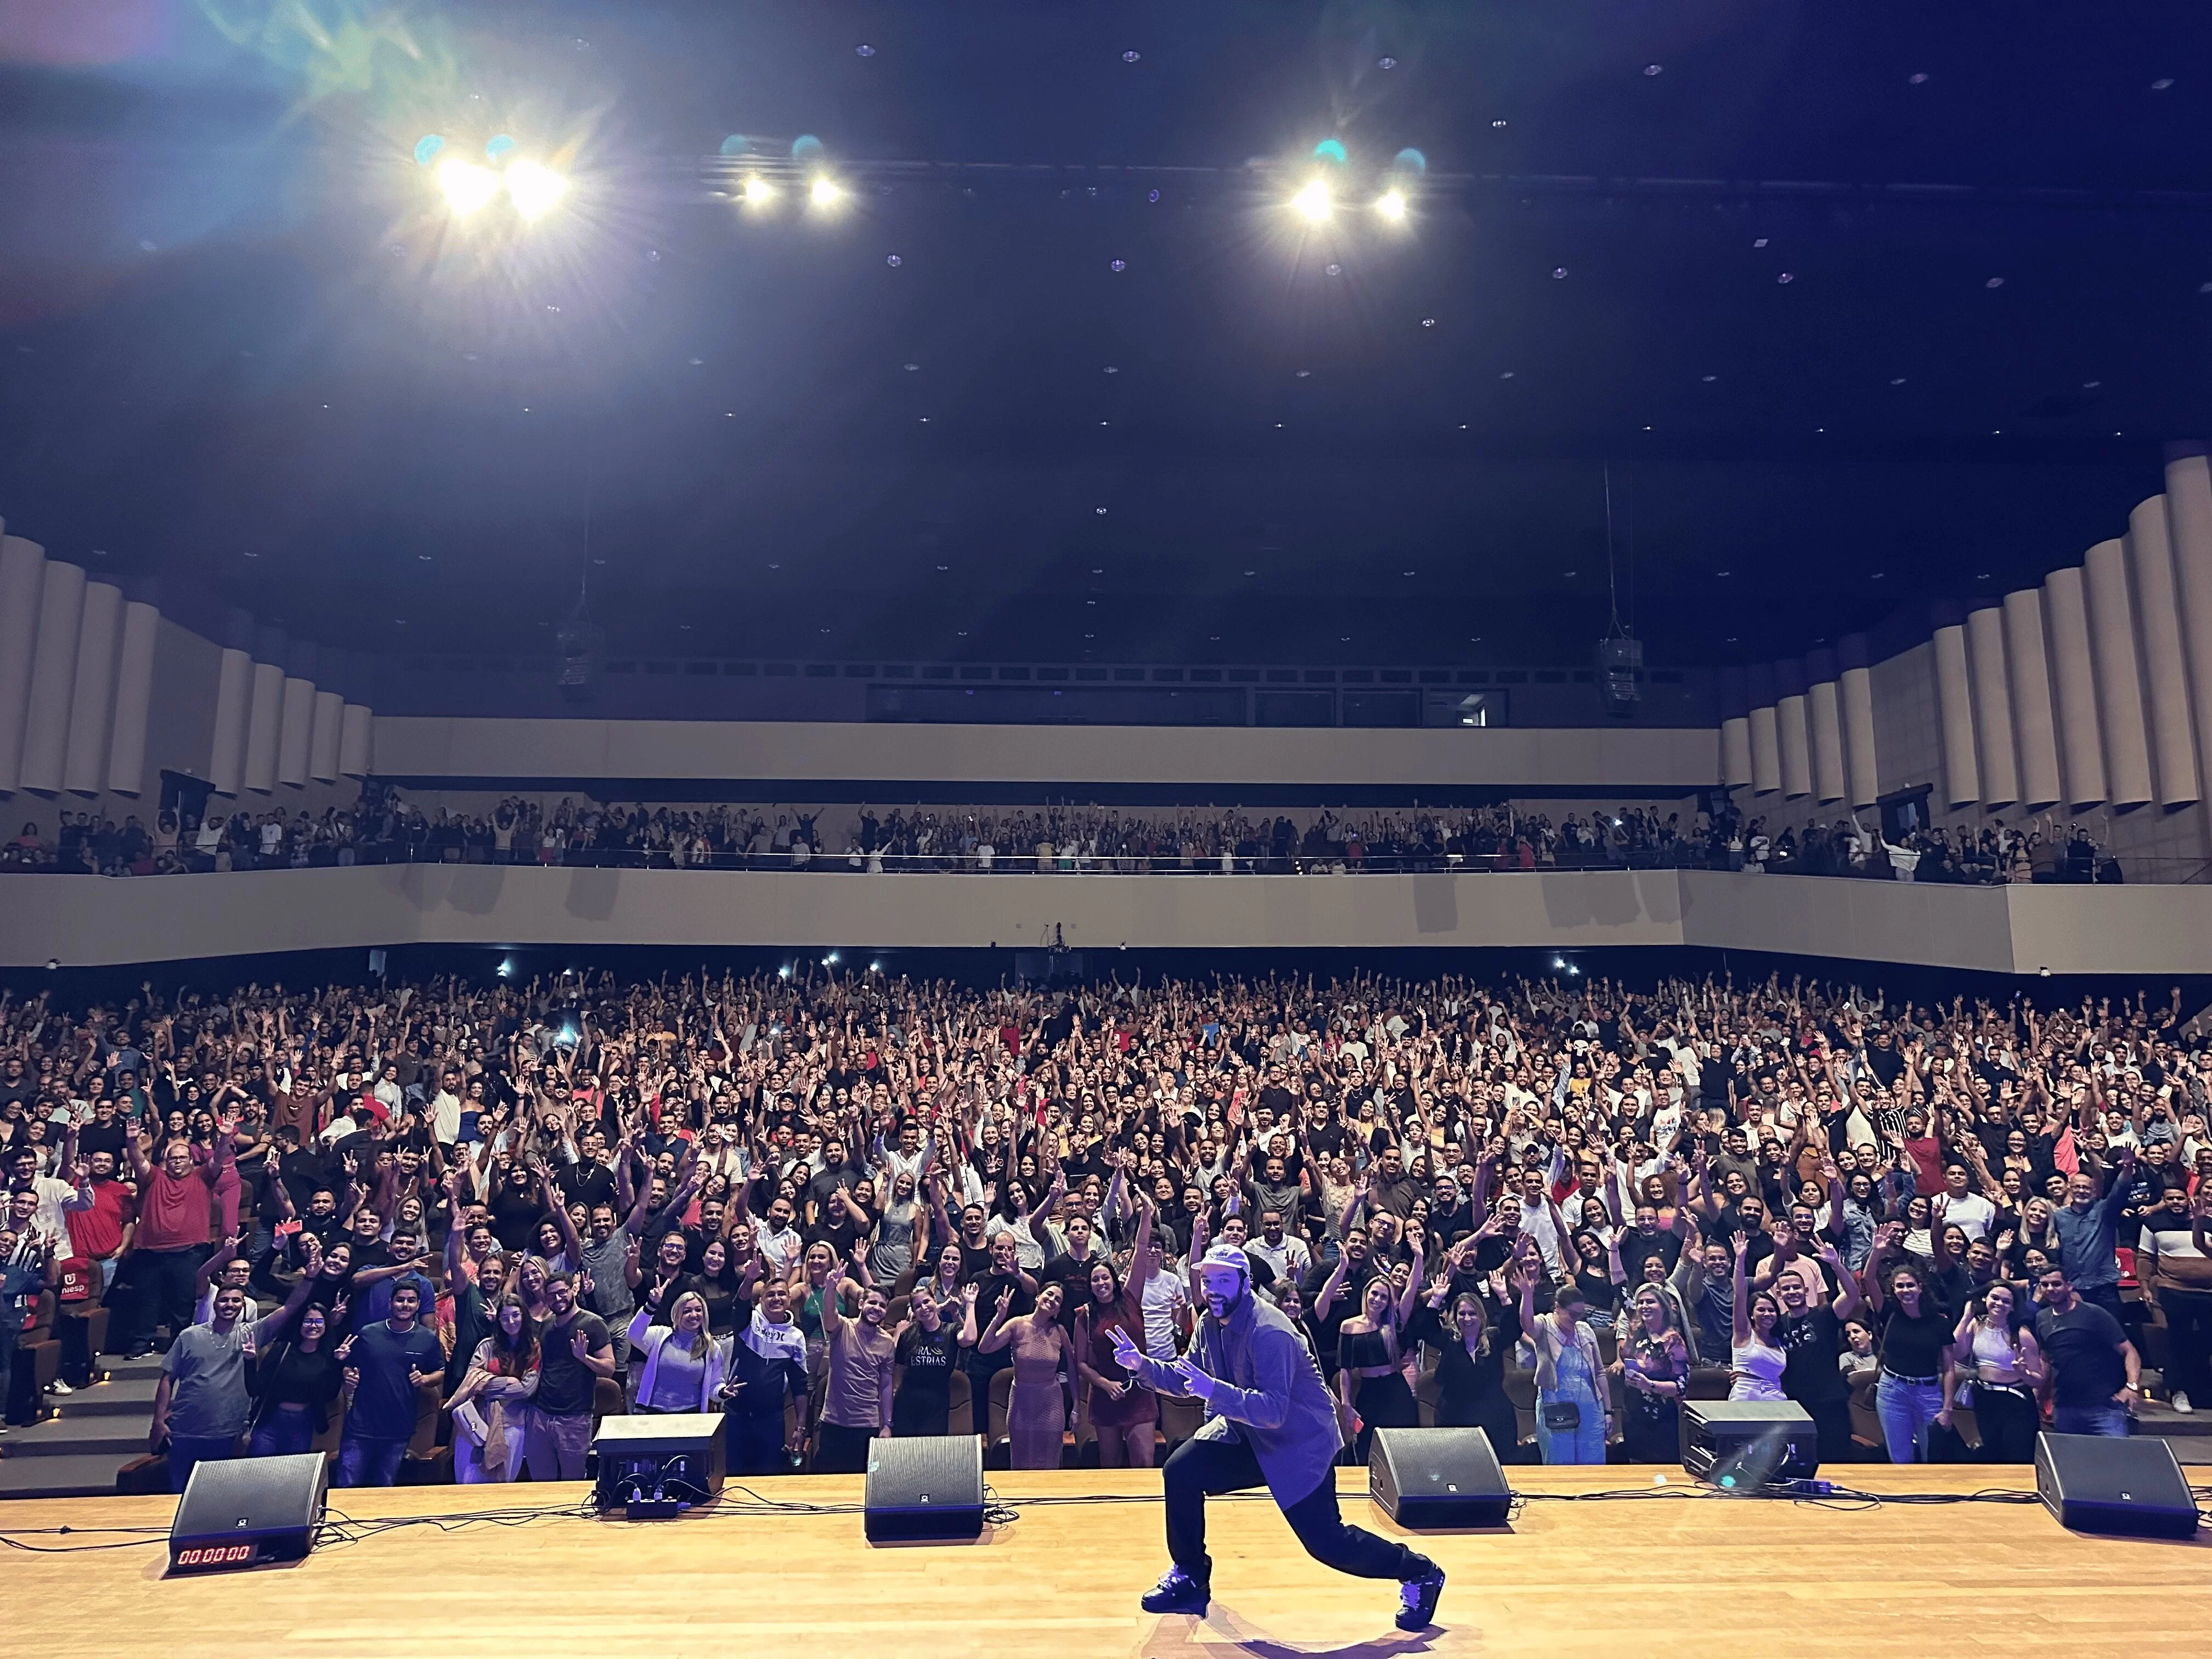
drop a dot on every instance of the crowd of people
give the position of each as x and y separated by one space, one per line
811 1202
1065 839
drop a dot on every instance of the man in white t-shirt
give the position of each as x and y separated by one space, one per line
1962 1208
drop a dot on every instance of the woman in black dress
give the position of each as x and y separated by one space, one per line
1373 1379
1470 1348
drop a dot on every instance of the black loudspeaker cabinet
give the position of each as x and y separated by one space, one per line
242 1511
924 1489
1744 1444
2099 1482
1425 1478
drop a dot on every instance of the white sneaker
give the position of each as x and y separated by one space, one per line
2180 1403
59 1387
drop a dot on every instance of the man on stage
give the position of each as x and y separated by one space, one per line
1268 1418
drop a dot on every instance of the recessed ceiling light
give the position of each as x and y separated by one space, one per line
1918 78
1720 572
1897 379
1408 573
1559 273
2162 83
1981 575
1335 270
1505 374
893 260
1877 576
1380 63
1993 282
944 566
1343 639
1569 573
1498 124
1759 241
1100 511
1251 573
1110 369
1132 56
1278 426
912 367
1428 322
1117 266
1654 68
864 51
1787 277
1709 379
251 554
1097 570
2090 385
925 420
774 566
1305 374
425 557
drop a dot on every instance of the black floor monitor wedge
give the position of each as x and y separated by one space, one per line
1437 1477
244 1511
2097 1483
926 1489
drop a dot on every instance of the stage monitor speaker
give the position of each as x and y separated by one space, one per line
1741 1445
242 1511
2099 1483
924 1489
657 1464
1425 1478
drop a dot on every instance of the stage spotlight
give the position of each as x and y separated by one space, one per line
534 189
1314 201
1392 204
825 192
759 191
831 959
467 187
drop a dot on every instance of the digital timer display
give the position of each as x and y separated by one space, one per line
214 1555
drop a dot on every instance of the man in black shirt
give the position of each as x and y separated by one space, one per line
577 1351
2095 1372
1810 1337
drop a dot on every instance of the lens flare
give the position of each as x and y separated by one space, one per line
467 187
1314 202
534 190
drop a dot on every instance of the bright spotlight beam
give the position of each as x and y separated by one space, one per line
467 187
1314 201
1392 204
825 192
759 191
534 190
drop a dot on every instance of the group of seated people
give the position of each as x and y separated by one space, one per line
450 1218
383 828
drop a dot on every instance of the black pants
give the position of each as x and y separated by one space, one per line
2008 1422
2188 1342
841 1450
1198 1468
755 1445
1832 1421
164 1283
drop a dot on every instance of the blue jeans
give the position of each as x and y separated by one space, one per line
186 1450
2111 1420
284 1434
1583 1443
1905 1410
366 1463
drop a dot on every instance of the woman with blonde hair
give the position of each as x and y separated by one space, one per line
679 1366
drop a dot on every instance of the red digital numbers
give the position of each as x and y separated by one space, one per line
214 1555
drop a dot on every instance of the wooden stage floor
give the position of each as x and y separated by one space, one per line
1654 1578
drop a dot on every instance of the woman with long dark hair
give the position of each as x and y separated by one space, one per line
1916 1371
294 1380
1122 1409
487 1408
2004 1369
